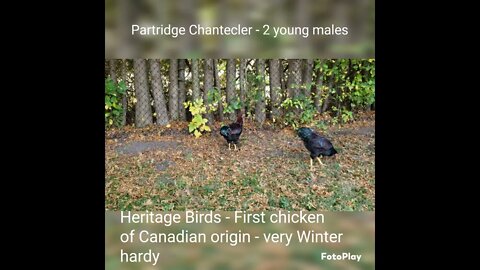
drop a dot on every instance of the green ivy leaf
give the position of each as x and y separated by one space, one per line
191 127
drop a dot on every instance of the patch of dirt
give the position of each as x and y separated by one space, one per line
165 179
133 148
117 135
162 166
365 131
174 132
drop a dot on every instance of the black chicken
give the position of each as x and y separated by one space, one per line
232 132
316 144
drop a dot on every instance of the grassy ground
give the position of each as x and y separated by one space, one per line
168 169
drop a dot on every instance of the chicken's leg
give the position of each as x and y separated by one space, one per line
320 161
234 145
229 146
311 164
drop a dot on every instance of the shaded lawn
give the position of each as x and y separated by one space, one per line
160 168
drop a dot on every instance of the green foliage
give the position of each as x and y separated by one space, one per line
298 111
213 97
353 85
233 106
284 203
344 115
361 86
321 125
113 102
253 95
259 91
198 123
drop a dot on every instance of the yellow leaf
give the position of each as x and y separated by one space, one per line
168 125
206 128
197 133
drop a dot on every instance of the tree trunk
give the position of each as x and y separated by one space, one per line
338 93
157 90
340 89
182 92
318 89
231 85
283 81
326 102
124 97
307 76
275 87
173 90
113 70
294 77
243 64
219 89
195 80
289 89
208 86
143 109
294 81
260 97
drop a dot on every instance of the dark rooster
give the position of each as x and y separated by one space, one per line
232 132
316 144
